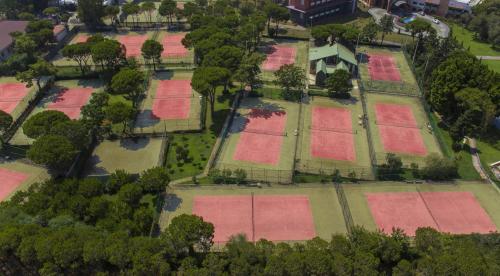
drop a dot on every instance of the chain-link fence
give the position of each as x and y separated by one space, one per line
391 88
344 204
260 174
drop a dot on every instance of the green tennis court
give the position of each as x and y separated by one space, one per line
262 140
298 48
189 118
485 194
334 148
372 81
53 96
412 142
324 205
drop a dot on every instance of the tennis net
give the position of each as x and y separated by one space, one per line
398 125
9 100
266 132
166 97
349 131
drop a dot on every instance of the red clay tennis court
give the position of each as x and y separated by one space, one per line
279 56
229 214
405 210
172 46
262 137
10 95
332 136
70 101
458 212
81 38
10 181
172 100
275 218
453 212
398 129
383 68
133 44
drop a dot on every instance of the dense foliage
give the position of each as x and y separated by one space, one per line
484 22
457 85
88 227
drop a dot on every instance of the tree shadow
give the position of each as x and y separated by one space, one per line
258 109
54 95
165 75
172 202
135 144
146 118
92 167
93 83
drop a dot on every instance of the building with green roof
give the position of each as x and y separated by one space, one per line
326 59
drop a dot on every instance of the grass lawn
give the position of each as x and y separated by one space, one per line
118 128
199 145
463 158
475 47
489 154
493 64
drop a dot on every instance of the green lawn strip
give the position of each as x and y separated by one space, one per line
199 145
488 155
493 64
118 128
469 42
463 157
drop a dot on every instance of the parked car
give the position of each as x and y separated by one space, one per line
435 20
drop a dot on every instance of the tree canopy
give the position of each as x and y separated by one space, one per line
54 151
43 122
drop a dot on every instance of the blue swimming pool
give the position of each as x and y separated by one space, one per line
407 19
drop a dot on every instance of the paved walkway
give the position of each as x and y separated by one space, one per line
476 162
489 57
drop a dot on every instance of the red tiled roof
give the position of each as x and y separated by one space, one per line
7 27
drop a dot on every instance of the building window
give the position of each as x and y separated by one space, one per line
302 2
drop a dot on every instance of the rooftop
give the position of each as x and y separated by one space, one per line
334 50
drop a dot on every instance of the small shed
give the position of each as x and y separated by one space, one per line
326 59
